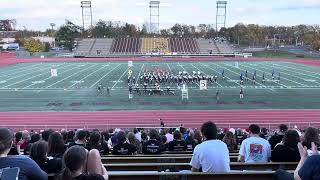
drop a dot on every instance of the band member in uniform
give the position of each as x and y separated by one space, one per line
241 93
100 88
241 78
246 75
222 74
272 75
218 95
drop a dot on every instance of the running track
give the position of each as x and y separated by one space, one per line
130 119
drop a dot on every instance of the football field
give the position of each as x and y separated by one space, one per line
30 86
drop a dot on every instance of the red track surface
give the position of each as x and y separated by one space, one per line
4 60
129 119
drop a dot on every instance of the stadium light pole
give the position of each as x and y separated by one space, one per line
52 34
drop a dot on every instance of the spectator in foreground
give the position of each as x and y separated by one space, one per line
34 138
82 165
169 135
191 142
153 146
39 154
311 135
230 141
308 167
277 138
212 155
70 136
123 147
137 134
56 145
177 144
81 139
287 150
46 133
134 141
254 149
95 142
197 137
29 169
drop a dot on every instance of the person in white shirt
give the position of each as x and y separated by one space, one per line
212 155
255 149
169 135
137 134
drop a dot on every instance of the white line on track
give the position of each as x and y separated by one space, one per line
104 76
90 66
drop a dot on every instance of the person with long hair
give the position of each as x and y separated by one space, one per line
29 169
123 147
230 141
311 135
287 150
38 153
82 165
134 141
56 146
96 142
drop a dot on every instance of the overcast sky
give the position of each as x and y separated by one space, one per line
38 14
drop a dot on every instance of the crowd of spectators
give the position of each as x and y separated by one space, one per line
76 154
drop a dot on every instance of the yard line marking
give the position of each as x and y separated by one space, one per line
292 75
218 72
70 76
104 76
267 80
5 73
239 75
302 66
138 78
169 67
204 73
28 78
317 77
59 74
120 78
281 77
31 72
87 76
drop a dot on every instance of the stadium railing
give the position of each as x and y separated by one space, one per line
261 175
186 166
155 159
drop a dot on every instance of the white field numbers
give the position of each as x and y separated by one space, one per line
236 64
130 64
203 85
54 73
185 94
